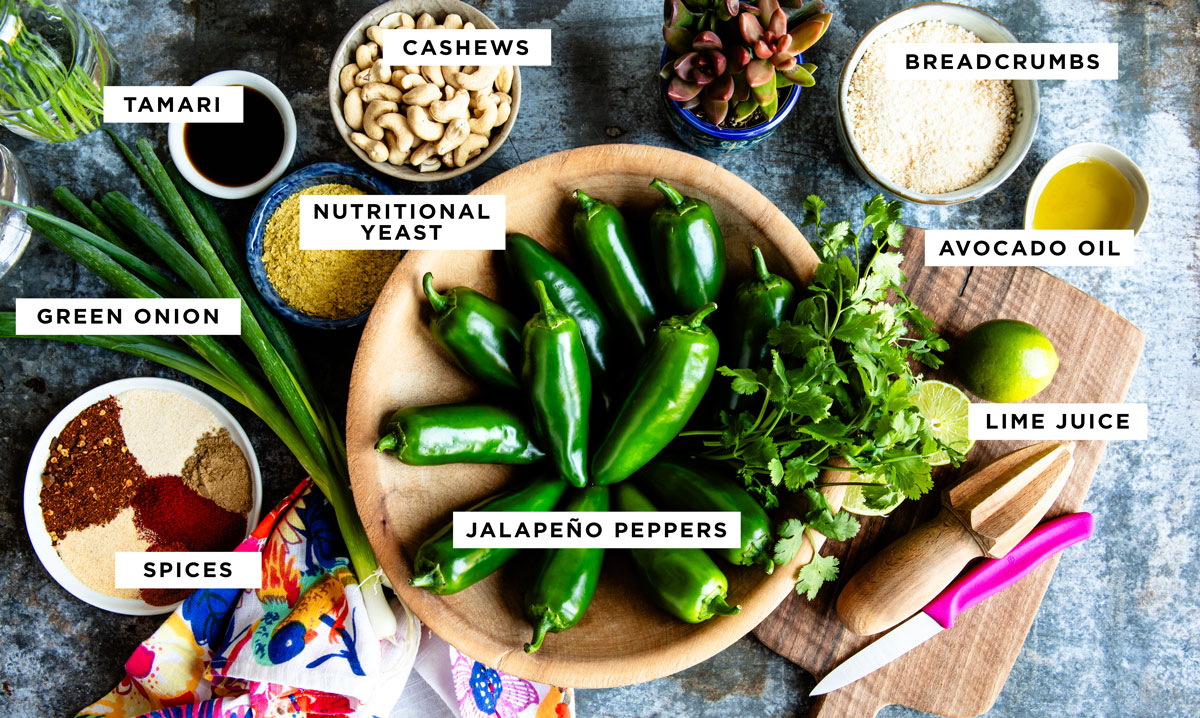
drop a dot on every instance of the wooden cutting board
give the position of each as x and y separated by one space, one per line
960 672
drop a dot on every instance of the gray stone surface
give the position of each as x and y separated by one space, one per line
1119 630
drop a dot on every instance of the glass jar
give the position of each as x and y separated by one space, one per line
54 65
14 232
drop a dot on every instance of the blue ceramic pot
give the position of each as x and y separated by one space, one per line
707 137
310 176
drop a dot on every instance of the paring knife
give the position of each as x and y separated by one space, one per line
989 577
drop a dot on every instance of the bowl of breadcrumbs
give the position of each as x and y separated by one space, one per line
933 141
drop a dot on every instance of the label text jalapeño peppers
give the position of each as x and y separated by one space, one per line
482 337
436 434
440 568
760 304
567 579
689 251
665 390
683 581
558 381
616 271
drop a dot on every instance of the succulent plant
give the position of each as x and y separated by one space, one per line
739 53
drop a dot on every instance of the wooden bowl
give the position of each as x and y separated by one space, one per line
356 36
623 638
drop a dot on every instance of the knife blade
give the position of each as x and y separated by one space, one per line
986 579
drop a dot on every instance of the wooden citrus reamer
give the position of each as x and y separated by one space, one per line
984 515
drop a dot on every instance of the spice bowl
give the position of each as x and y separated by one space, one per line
35 524
345 53
253 81
310 176
1025 96
1115 158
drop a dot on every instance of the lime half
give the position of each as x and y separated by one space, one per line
868 501
945 408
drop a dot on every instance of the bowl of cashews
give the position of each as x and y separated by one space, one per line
427 123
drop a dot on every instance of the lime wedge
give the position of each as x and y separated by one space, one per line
945 408
864 501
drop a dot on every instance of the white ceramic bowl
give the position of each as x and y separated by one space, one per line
1094 150
357 36
1025 94
277 98
41 453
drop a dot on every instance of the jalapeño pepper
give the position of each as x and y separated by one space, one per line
759 305
616 271
441 568
435 434
559 384
666 388
683 581
689 251
567 579
529 262
681 485
482 337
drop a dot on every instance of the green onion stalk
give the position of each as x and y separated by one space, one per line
279 390
43 95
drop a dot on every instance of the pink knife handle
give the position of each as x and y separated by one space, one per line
993 575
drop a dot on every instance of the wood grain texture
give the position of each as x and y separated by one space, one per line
960 672
623 638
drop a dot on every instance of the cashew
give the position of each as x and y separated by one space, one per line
481 78
380 72
391 21
352 109
366 54
362 77
433 73
480 97
374 111
379 91
433 164
504 79
426 21
376 150
448 72
375 34
452 109
397 128
456 133
408 82
422 126
482 124
503 96
396 153
470 147
468 26
412 70
422 153
503 110
448 159
406 21
346 77
422 95
452 22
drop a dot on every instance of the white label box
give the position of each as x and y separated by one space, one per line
188 103
1058 422
586 529
154 317
188 569
430 221
1002 61
1029 248
465 47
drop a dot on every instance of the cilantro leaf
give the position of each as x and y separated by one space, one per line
814 574
745 381
791 536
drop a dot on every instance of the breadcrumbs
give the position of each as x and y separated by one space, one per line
931 136
326 283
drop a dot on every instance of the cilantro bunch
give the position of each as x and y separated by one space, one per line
837 393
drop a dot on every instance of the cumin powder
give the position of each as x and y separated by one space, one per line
326 283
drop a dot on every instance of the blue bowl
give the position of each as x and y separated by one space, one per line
311 176
707 137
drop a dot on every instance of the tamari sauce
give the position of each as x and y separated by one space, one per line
236 154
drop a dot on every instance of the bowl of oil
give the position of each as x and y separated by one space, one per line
1088 186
